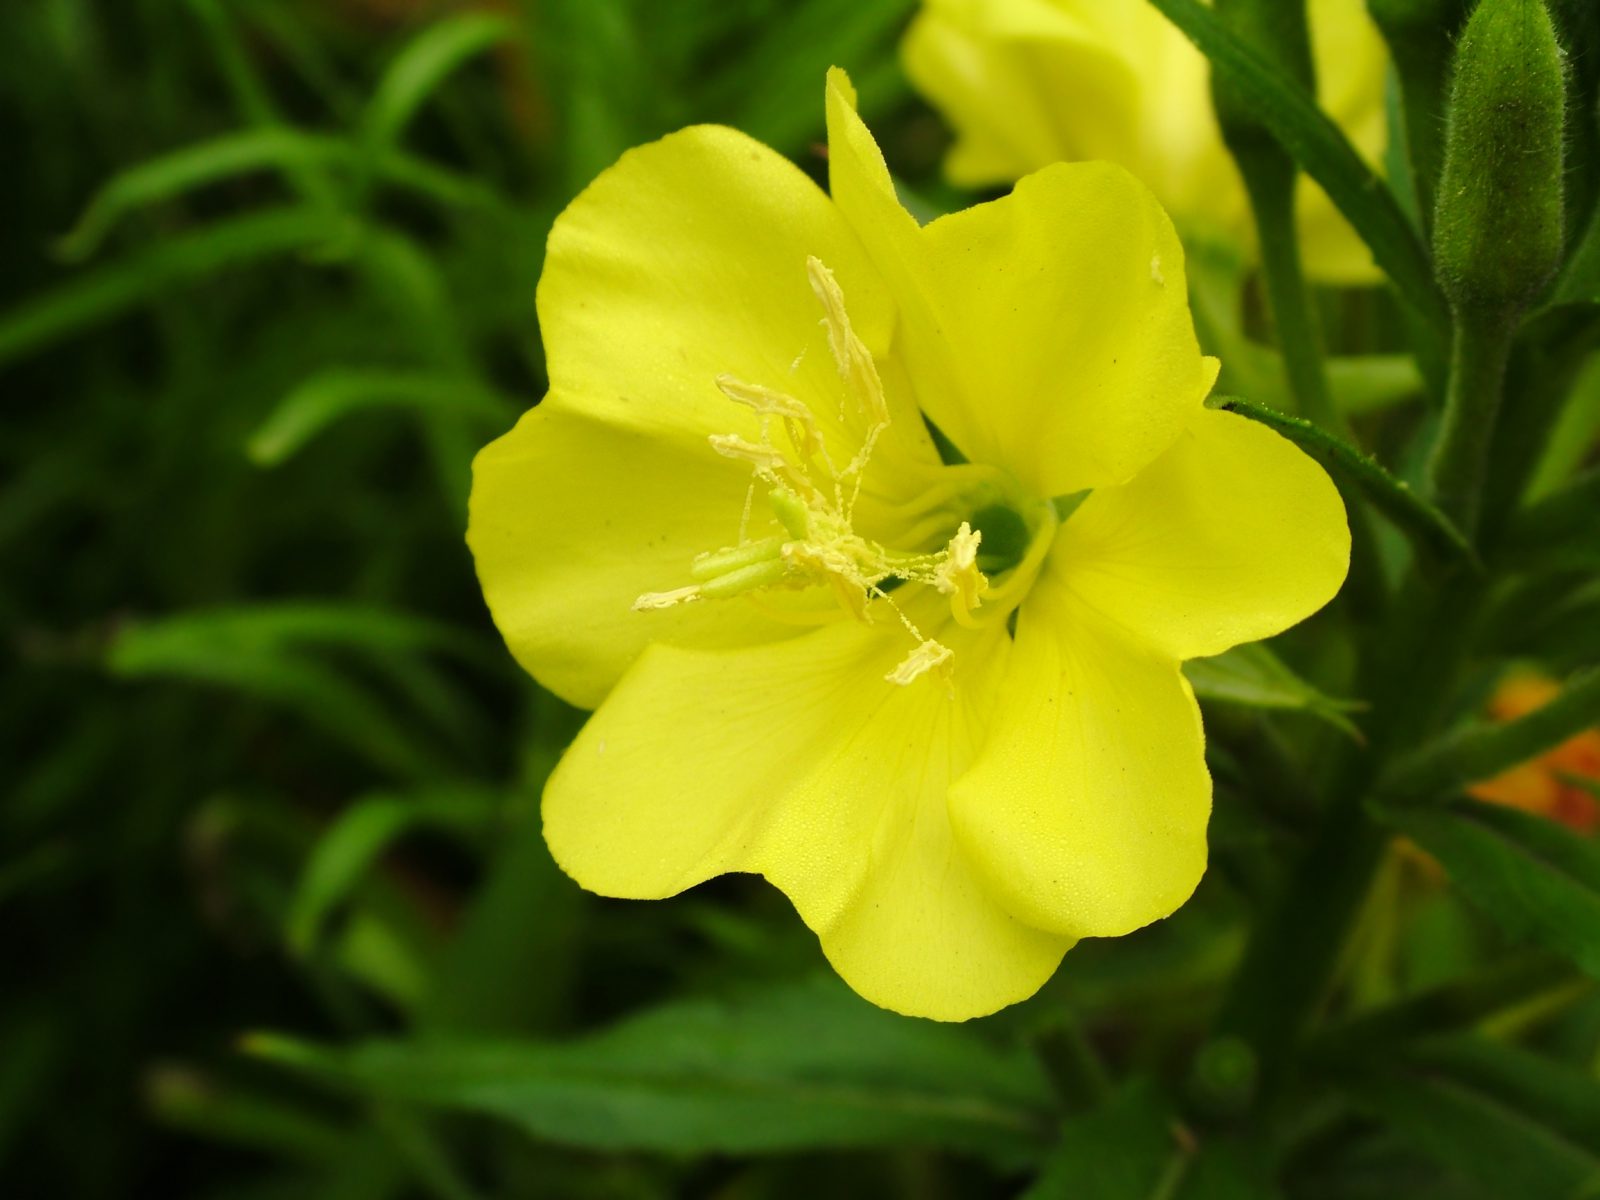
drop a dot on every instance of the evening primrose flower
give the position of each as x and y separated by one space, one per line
935 698
1031 82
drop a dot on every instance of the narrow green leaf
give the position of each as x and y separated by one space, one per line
278 653
792 1067
1561 530
360 627
1322 151
360 835
1464 1002
426 62
1255 677
1514 1123
770 90
1483 750
334 394
192 167
113 289
1535 878
270 148
1424 524
1555 621
1575 434
183 1098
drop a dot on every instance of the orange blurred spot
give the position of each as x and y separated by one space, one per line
1541 785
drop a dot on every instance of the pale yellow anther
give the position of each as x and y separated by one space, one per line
958 576
797 418
928 656
731 445
656 600
855 363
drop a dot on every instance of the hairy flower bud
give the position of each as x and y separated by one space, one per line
1498 222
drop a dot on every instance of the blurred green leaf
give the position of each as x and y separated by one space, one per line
1321 149
510 966
1559 531
276 148
806 1065
1465 1001
1535 878
773 91
330 395
189 1100
426 62
1253 676
1123 1150
592 58
111 290
1483 749
1576 435
277 653
1511 1122
362 832
1370 383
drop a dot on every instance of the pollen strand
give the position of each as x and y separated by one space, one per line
813 503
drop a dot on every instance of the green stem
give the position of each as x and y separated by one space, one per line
1480 350
1408 672
1293 955
1271 185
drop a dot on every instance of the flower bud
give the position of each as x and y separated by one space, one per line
1498 220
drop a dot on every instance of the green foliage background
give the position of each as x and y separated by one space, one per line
278 919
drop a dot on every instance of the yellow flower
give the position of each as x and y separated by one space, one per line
1032 82
936 706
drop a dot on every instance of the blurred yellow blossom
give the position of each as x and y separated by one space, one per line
935 699
1031 82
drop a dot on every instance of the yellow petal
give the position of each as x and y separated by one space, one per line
859 182
687 261
1352 75
573 517
1056 338
1087 809
798 761
1047 332
1233 535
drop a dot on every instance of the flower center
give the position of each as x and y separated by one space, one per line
814 500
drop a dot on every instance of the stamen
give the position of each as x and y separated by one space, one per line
797 418
657 600
958 576
928 656
819 545
855 363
